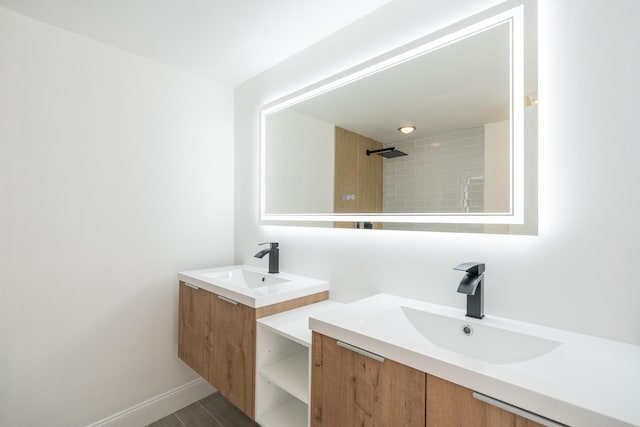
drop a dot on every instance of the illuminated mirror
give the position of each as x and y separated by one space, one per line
334 154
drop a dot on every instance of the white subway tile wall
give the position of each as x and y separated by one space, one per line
443 173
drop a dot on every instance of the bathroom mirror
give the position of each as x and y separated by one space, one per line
334 154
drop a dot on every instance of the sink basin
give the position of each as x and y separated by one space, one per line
253 286
244 278
469 338
577 379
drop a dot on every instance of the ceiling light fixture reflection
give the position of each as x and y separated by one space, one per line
407 129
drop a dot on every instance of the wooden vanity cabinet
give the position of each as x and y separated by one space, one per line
351 389
217 339
449 404
193 303
230 350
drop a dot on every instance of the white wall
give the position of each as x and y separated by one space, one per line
578 273
115 174
309 180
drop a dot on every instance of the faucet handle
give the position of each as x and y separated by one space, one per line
274 245
474 268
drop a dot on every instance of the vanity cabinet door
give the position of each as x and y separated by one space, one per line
351 389
191 308
230 350
449 404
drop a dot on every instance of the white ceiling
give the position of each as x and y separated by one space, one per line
228 41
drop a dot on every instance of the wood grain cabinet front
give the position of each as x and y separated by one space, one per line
350 388
449 404
217 339
230 349
191 329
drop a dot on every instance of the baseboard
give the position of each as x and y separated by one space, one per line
157 407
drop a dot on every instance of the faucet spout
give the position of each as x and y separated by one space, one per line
274 256
262 253
469 283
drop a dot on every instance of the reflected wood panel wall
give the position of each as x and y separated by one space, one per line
356 174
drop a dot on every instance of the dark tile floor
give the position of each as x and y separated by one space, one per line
212 411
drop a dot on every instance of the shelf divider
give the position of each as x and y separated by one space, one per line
291 374
290 414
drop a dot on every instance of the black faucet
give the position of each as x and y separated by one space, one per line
471 285
274 256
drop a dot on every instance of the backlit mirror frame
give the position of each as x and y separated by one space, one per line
514 16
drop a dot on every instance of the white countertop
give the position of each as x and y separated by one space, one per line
587 381
294 286
294 324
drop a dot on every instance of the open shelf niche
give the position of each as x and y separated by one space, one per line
283 363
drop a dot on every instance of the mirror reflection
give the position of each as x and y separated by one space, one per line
432 135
